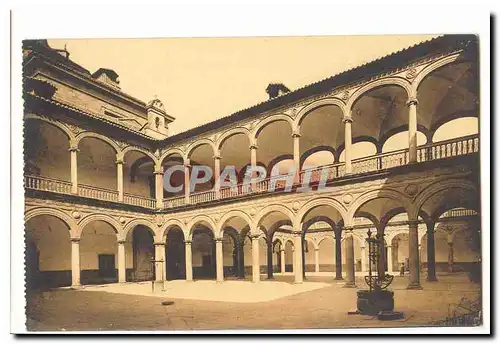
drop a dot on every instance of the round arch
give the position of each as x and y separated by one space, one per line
97 136
318 104
322 201
229 215
134 223
439 186
268 120
374 194
390 81
66 219
229 133
61 126
314 150
170 152
326 237
268 210
140 150
162 234
199 143
448 60
99 217
199 219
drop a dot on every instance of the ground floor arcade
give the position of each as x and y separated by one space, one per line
97 257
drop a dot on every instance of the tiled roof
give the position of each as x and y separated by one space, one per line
97 117
397 59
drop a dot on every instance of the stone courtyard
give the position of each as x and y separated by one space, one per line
319 303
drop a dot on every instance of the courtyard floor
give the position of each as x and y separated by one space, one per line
319 302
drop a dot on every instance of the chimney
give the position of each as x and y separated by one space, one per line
276 89
107 76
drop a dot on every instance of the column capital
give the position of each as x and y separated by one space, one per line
121 242
187 164
159 243
119 161
218 240
161 172
254 236
413 223
348 229
187 242
73 149
297 233
412 101
75 240
295 134
217 156
347 119
253 146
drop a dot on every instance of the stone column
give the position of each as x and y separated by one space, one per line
270 260
187 178
119 175
253 163
122 270
389 259
189 261
298 268
349 255
241 261
255 259
363 258
431 253
412 129
75 262
413 255
159 187
282 263
74 170
296 157
219 260
316 259
348 143
338 255
382 257
217 159
450 257
160 260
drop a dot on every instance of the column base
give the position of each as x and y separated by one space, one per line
414 286
298 282
350 285
270 277
219 281
431 279
76 286
337 278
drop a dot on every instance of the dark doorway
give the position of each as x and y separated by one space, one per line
176 255
107 270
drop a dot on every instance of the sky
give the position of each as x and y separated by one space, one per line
202 79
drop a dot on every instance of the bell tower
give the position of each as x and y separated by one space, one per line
158 119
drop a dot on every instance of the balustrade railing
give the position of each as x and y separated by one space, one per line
97 193
448 148
459 213
47 184
202 197
439 150
174 202
326 172
140 201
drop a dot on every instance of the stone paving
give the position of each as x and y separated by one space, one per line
323 307
227 291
